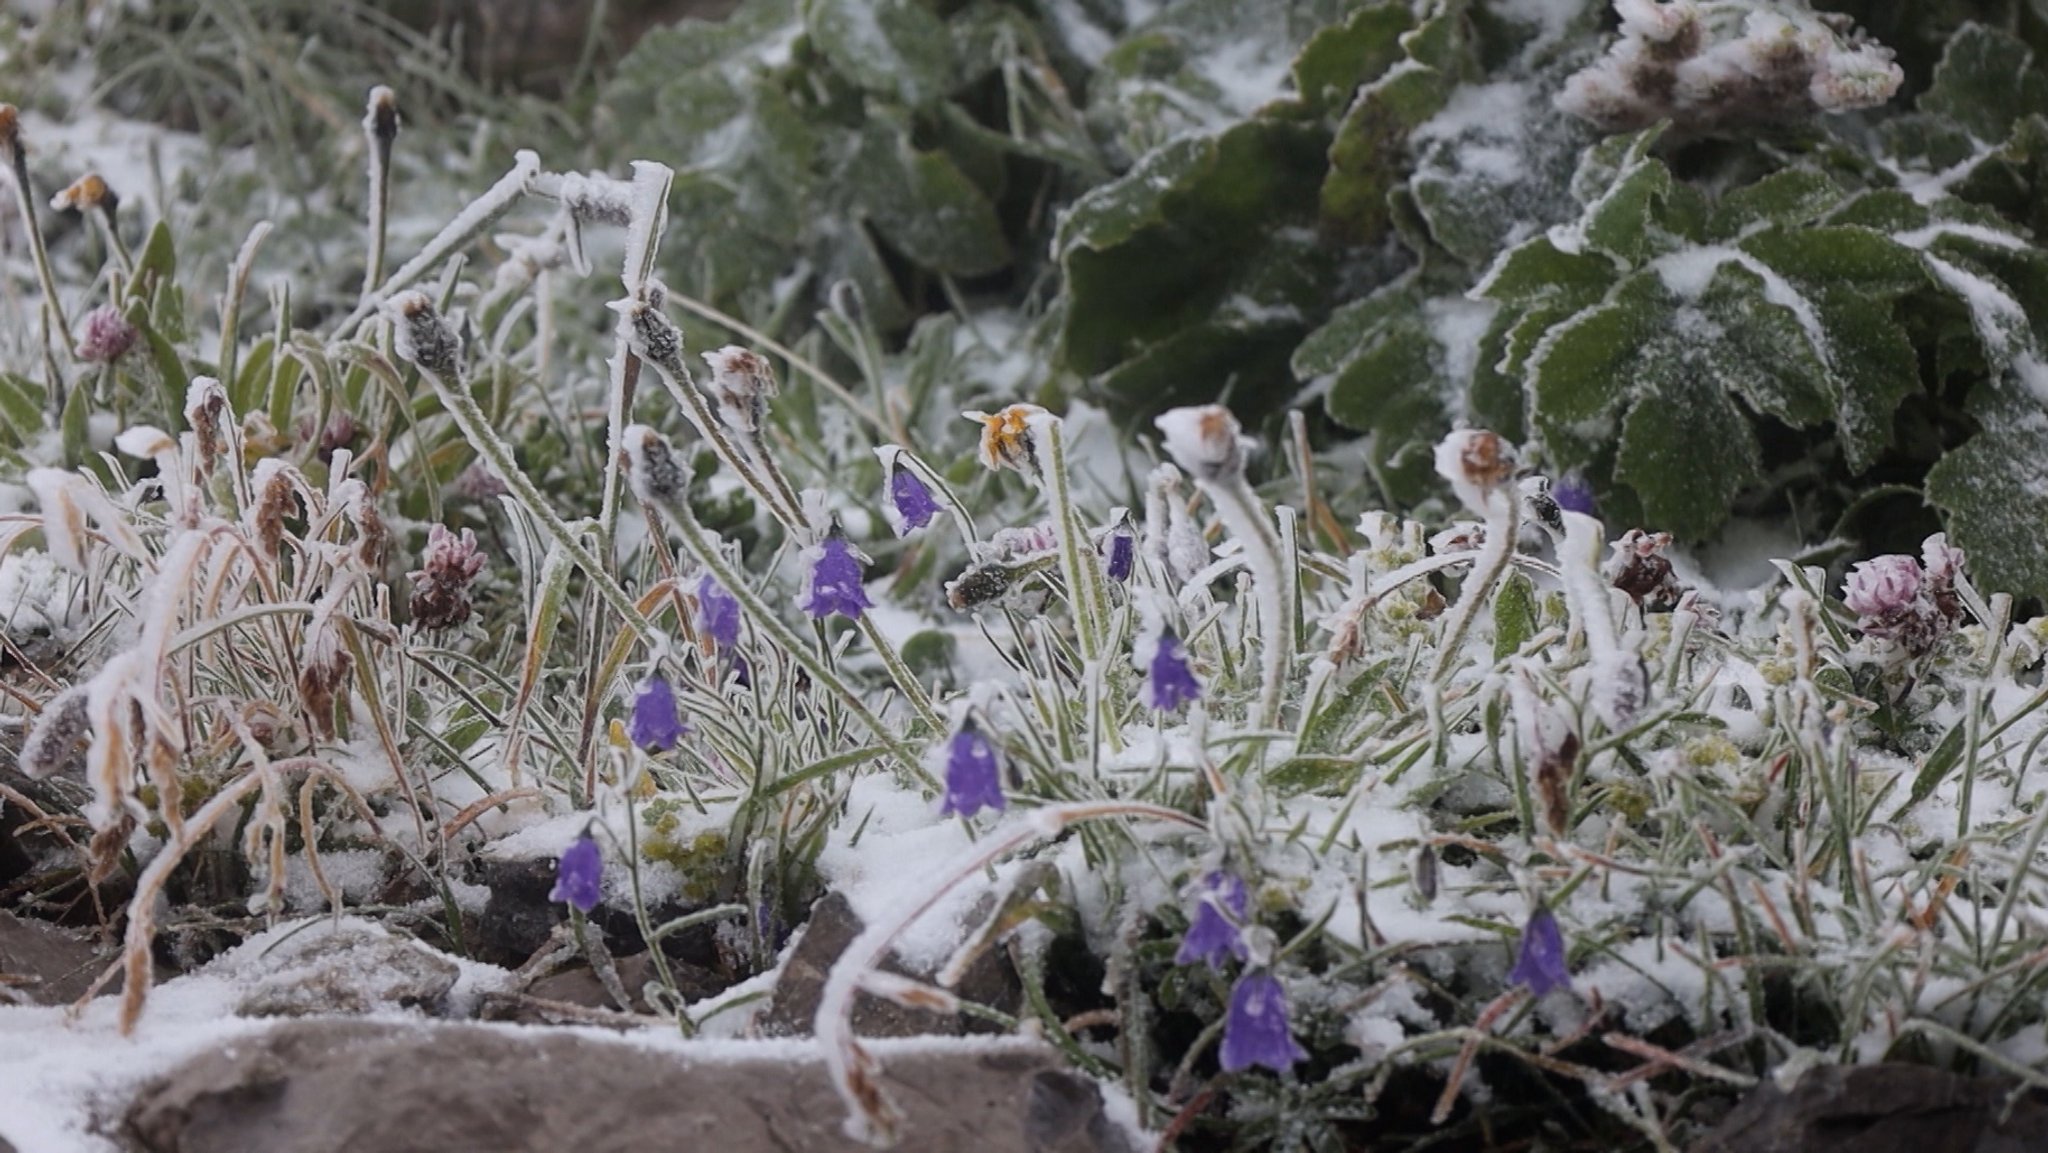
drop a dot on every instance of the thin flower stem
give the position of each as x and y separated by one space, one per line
1083 576
906 681
460 405
1494 558
764 617
24 200
643 241
1245 516
840 392
469 224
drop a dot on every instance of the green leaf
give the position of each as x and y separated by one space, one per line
157 263
1579 374
1621 185
898 48
1687 451
1760 349
925 206
1792 196
21 408
1369 156
1986 80
1339 58
1536 271
1993 488
1514 616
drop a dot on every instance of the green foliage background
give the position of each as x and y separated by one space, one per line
1850 351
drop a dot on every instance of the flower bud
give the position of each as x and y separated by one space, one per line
104 336
1205 441
656 474
423 337
741 383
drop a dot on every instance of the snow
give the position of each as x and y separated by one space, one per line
1489 125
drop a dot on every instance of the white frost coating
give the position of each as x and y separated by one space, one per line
497 200
1686 275
1999 320
63 519
1585 590
649 213
1459 327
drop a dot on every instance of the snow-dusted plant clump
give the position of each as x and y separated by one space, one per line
557 618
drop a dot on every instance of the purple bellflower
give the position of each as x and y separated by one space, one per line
718 613
1255 1028
1540 962
579 879
1169 682
835 581
1214 932
974 779
911 500
1123 552
1573 494
655 724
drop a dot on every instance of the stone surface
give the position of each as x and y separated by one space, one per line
43 964
518 918
352 967
328 1086
1884 1109
831 928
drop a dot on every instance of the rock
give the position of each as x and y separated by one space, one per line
44 964
329 1086
832 927
1884 1109
352 967
518 918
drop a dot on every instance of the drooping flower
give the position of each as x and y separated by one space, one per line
1205 440
1255 1030
1540 959
1214 931
579 877
1121 547
1169 683
655 723
911 503
718 613
835 580
441 585
974 778
104 336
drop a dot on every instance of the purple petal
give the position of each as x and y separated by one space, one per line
1540 963
718 613
912 500
1255 1030
655 723
1171 683
1214 932
1122 552
835 585
579 878
974 779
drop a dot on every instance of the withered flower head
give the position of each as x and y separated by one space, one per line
441 585
1006 440
206 405
1205 441
84 194
381 119
741 383
423 337
656 474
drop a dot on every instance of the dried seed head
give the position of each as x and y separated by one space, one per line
657 475
1639 568
324 673
1006 440
104 336
423 337
741 383
57 742
275 496
85 194
381 119
655 339
1205 441
206 407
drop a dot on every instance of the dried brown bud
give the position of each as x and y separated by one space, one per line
206 407
373 539
323 676
1553 782
381 119
1205 441
10 134
655 339
1638 568
741 383
424 338
86 193
656 475
275 500
57 742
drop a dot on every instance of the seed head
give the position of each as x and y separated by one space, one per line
423 337
57 742
657 475
206 408
380 118
741 383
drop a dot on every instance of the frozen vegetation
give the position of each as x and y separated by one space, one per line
1454 571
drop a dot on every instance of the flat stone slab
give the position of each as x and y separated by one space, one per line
1884 1109
324 1086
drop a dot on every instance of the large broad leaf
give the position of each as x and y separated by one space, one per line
925 206
899 49
1340 58
1197 230
1370 156
1621 184
1986 80
1994 488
